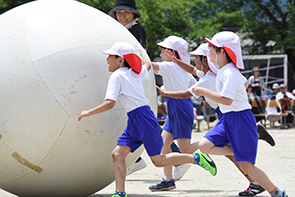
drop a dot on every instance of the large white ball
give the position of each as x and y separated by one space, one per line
52 67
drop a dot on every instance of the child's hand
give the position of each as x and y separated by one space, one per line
198 91
84 113
171 55
163 92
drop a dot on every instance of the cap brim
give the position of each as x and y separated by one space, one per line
110 52
196 53
122 7
164 45
210 42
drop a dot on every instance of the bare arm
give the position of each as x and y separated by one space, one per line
155 66
185 66
246 84
145 63
175 94
212 95
106 105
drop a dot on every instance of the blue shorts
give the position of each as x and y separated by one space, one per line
142 128
238 129
180 117
219 113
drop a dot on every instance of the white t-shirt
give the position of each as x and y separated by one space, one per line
230 83
126 84
174 77
280 95
208 81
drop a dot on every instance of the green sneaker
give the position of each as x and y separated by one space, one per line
119 194
205 162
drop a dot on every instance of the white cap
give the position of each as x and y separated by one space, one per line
282 85
231 44
177 44
203 50
126 51
275 86
120 49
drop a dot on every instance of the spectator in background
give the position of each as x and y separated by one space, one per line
275 90
283 93
257 82
286 104
126 13
252 97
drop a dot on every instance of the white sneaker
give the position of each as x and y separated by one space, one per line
180 170
136 166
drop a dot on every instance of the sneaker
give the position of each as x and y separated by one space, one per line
180 170
163 186
252 190
206 162
284 194
119 194
264 135
136 166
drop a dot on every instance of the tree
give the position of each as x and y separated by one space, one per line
6 5
271 21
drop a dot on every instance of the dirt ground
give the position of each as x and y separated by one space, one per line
278 162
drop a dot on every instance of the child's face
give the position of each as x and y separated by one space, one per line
114 63
212 53
125 16
198 62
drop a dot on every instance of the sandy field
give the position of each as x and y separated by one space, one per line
278 162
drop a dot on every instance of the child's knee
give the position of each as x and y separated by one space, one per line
157 161
205 146
116 156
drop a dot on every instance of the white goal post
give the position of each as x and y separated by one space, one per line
268 67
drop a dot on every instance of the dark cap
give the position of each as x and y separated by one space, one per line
125 5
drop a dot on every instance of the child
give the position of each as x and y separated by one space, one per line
207 71
126 13
237 126
142 126
180 111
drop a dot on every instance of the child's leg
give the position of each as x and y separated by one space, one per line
167 140
258 175
207 147
172 159
237 164
254 188
119 154
186 146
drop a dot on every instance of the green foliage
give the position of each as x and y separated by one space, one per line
6 5
103 5
261 21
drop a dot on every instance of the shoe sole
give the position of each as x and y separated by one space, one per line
211 163
163 189
136 169
178 178
267 137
